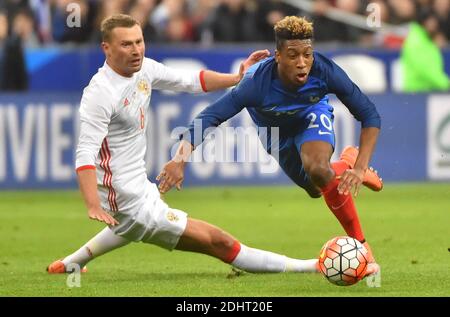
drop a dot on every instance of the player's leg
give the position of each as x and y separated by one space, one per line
288 157
316 145
172 229
105 241
315 156
202 237
290 160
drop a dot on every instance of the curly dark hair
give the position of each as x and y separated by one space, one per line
292 28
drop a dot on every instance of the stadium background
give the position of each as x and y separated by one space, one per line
38 118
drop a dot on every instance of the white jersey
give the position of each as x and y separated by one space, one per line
113 119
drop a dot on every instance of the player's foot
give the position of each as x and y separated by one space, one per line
58 267
371 178
372 268
373 275
373 271
318 267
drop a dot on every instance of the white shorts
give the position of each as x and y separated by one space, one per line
155 223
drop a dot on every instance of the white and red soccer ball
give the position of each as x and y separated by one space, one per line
343 261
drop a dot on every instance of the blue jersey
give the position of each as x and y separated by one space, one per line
271 105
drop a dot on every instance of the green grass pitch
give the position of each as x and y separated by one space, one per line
406 224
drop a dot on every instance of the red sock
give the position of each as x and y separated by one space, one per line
235 249
342 206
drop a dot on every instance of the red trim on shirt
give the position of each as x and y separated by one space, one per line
105 158
202 80
85 167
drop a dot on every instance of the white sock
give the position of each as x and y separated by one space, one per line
303 266
255 260
103 242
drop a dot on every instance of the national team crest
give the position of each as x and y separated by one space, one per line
171 216
314 99
143 87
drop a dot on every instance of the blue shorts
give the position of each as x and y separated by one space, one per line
315 125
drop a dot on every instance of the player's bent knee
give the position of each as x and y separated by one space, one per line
312 190
320 174
200 236
314 194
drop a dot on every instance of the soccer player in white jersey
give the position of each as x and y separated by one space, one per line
110 159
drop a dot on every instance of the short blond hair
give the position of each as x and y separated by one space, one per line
292 28
116 21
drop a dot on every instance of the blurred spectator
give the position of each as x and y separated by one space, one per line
164 12
10 7
3 36
62 32
268 13
179 29
233 21
442 9
421 58
13 74
200 11
42 17
140 10
106 8
353 34
402 11
379 38
327 30
23 27
211 21
383 10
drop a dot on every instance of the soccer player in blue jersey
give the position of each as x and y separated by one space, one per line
289 91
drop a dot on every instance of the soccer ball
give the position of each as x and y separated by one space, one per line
343 261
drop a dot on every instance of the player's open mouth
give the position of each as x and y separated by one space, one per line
136 61
302 76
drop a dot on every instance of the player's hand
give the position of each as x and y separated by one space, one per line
350 179
100 215
254 57
172 174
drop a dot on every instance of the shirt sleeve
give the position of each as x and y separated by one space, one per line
166 78
226 107
95 115
351 96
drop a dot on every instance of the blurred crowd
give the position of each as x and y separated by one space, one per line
44 22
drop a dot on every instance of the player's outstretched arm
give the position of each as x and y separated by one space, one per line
172 173
216 81
221 110
88 187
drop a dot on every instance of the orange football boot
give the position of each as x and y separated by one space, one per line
58 267
371 178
